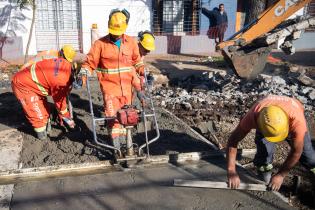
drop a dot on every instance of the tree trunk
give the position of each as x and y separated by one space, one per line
254 9
31 32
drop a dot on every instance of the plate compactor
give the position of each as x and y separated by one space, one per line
130 117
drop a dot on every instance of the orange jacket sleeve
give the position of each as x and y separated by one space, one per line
136 83
137 60
60 89
93 57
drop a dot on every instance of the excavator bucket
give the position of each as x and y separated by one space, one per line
247 62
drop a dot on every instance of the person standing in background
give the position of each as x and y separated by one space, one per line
218 22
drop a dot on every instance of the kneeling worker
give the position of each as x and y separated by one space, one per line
274 118
48 77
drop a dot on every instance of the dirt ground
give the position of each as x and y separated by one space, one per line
76 146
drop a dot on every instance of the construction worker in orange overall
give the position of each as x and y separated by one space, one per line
48 77
48 54
146 44
275 119
115 57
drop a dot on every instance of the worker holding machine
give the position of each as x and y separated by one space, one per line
275 119
115 57
47 77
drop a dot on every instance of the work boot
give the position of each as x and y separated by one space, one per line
42 135
265 173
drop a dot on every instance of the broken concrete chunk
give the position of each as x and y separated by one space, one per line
160 79
305 80
183 93
311 95
305 90
302 99
210 75
266 78
296 35
278 80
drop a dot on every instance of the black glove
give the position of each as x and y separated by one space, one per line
77 83
141 96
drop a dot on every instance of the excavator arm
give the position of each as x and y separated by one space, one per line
246 52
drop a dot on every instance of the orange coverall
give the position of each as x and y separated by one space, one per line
31 85
116 73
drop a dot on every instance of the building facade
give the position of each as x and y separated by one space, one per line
178 24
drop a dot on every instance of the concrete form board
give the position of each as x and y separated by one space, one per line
146 188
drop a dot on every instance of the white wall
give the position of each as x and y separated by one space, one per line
97 11
23 29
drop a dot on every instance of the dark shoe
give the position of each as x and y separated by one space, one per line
41 135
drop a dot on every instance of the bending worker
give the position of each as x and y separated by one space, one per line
275 119
115 58
48 54
48 77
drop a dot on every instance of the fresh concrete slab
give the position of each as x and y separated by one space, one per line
142 188
10 147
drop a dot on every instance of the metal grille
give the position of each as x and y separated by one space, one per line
58 23
310 10
176 17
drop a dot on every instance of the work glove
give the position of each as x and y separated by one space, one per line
77 83
141 96
68 122
150 79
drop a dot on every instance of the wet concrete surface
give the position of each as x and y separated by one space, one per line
143 188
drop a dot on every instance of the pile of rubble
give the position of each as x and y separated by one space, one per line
6 73
220 90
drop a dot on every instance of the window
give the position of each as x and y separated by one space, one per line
310 10
176 17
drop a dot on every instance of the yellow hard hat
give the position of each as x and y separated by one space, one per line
68 52
273 123
117 23
147 40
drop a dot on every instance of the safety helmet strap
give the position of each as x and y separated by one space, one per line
141 33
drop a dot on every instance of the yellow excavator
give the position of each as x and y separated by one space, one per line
247 50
